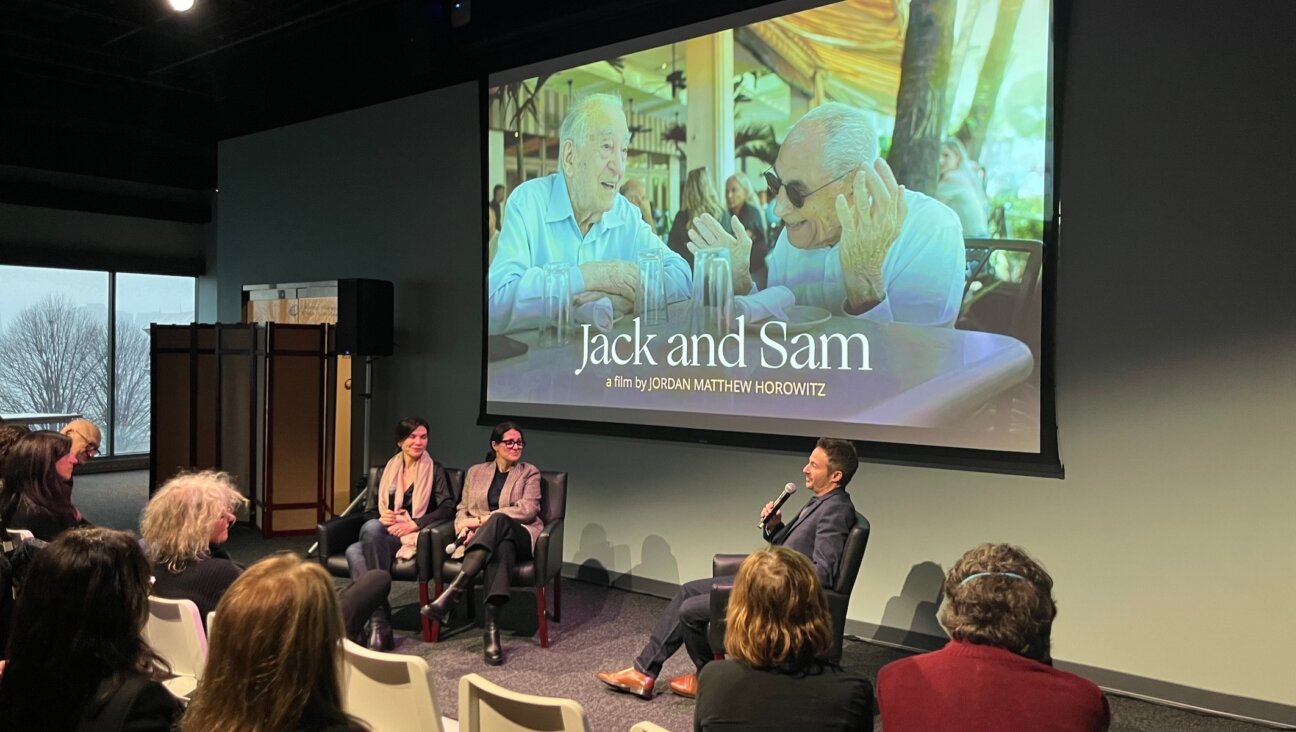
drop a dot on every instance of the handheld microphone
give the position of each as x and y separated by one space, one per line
788 490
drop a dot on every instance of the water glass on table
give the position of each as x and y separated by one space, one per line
556 328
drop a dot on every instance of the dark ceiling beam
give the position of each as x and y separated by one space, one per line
259 34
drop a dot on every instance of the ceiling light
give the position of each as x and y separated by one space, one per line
181 5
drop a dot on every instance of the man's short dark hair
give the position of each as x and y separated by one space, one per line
841 456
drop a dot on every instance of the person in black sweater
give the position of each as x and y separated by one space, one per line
185 526
77 657
779 631
37 493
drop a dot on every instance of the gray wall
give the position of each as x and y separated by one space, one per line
1170 538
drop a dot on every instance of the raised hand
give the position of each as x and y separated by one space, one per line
775 520
870 225
706 232
614 277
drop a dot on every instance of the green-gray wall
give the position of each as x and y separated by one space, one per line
1169 540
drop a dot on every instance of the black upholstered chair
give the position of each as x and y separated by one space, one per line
726 566
544 567
337 534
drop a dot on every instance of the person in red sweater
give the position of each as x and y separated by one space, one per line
996 673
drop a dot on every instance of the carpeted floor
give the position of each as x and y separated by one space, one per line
601 629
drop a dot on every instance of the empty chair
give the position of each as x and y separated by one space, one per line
489 707
388 691
175 632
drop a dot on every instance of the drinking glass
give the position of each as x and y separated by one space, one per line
556 329
652 289
711 311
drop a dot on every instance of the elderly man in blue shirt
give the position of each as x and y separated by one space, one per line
577 216
854 242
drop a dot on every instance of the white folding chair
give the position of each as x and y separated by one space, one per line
489 707
648 727
388 691
175 632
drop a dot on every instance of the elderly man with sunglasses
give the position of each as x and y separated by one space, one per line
854 242
577 216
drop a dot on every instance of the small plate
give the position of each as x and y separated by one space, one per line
800 318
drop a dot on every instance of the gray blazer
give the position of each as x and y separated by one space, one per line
519 500
819 532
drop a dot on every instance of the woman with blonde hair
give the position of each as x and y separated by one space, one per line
778 635
699 197
185 526
275 653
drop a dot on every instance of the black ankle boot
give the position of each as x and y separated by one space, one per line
492 650
441 607
380 632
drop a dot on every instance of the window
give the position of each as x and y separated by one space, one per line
58 356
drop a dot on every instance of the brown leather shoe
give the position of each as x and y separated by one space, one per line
629 681
684 685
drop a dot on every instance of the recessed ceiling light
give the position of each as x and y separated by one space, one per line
181 5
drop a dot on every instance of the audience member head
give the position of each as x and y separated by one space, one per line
593 142
816 162
841 456
412 437
78 622
39 468
9 434
778 614
506 432
996 595
86 439
497 193
187 516
273 662
700 196
739 192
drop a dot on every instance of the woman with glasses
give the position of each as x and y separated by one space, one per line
37 493
77 659
498 522
412 494
185 526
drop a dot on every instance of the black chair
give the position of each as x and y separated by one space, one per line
998 306
337 534
726 566
543 568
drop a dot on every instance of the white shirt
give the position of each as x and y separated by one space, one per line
540 227
922 275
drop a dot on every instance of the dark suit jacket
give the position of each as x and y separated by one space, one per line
819 532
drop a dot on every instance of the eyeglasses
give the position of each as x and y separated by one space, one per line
91 447
513 443
794 194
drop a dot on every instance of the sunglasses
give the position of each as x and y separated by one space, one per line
794 192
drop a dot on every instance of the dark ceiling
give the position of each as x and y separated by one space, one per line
130 89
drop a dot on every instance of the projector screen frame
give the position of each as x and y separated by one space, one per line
1046 463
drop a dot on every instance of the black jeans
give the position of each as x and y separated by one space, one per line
505 542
